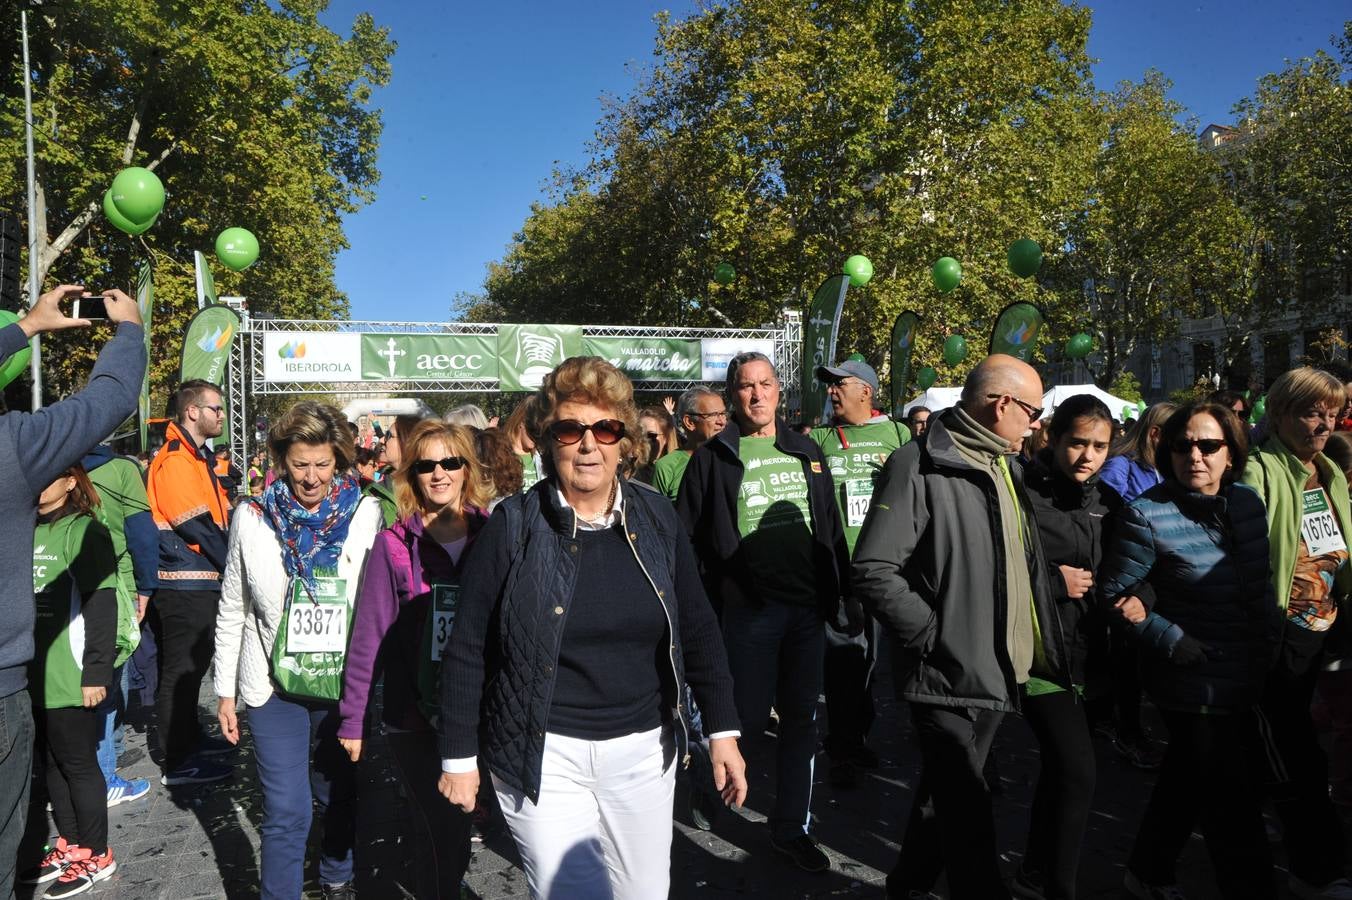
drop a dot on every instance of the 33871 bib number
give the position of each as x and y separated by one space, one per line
318 625
1319 527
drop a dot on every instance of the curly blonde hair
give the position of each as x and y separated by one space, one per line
591 380
474 490
314 423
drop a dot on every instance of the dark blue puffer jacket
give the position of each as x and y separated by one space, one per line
1206 559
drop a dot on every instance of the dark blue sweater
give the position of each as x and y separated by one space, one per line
34 449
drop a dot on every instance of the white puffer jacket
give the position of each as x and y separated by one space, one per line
253 595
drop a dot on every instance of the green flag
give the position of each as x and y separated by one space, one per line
819 343
206 285
145 301
206 350
1016 329
903 342
527 353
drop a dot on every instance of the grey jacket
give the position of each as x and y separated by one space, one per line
929 565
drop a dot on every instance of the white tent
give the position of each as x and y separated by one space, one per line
1063 392
935 399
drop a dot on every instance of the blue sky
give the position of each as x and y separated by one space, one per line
486 98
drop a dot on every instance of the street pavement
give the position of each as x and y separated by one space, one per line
202 842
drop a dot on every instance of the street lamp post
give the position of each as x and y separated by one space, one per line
33 286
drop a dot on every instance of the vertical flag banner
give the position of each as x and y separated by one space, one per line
206 351
206 285
145 301
527 353
1016 330
903 342
819 342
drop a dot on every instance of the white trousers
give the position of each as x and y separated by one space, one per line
602 828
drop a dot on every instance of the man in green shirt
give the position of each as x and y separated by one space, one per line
700 414
856 444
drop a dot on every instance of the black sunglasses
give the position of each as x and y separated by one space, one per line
428 466
568 431
1034 412
1208 446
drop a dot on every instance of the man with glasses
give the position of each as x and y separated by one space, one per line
948 561
192 512
700 414
856 444
759 504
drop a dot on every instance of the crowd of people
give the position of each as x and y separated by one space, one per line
557 620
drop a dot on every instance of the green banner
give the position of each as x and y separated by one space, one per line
206 285
819 343
428 357
903 342
1016 330
527 353
145 301
648 359
206 351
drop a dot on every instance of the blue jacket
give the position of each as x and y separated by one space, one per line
1129 477
1206 559
500 664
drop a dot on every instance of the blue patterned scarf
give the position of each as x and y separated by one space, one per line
310 540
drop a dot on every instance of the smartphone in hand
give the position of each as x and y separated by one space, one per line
89 307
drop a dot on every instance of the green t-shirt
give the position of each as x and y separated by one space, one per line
668 472
72 558
122 494
856 462
530 470
775 523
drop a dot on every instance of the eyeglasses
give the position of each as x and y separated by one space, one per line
1034 412
1208 446
428 466
218 410
568 431
721 414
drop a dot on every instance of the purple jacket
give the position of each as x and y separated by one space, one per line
387 627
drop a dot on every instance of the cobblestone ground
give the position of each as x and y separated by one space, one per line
200 842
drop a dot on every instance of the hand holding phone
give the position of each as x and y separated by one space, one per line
89 306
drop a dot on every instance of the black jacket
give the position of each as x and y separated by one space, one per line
499 665
1072 520
707 505
930 565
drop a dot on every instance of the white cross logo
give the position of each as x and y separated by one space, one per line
819 322
391 353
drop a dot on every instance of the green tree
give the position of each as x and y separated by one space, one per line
253 113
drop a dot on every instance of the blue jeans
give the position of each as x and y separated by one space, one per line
300 760
16 765
110 731
775 654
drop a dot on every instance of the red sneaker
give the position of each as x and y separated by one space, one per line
52 865
83 871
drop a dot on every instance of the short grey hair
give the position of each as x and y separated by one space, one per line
466 414
688 404
735 364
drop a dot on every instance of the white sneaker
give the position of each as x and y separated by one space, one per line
1338 889
1138 888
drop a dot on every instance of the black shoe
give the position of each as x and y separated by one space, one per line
128 758
214 746
844 775
804 852
342 891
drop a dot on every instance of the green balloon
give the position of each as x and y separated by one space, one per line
1025 258
121 222
17 363
138 194
724 273
946 272
955 349
1079 346
859 269
926 377
236 248
1128 413
1259 408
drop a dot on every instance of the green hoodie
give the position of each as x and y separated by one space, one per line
1280 479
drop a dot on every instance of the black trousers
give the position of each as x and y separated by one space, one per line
1297 769
952 824
184 623
1207 779
1065 790
75 785
440 831
847 682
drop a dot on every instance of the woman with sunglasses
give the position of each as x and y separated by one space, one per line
404 616
295 558
1187 569
1305 493
581 617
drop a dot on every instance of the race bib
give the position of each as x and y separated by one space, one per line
1319 527
445 598
858 499
318 624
